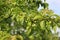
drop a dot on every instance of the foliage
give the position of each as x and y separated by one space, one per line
20 20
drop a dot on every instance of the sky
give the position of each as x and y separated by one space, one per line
54 5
